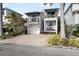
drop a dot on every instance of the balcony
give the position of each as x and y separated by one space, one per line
32 21
51 28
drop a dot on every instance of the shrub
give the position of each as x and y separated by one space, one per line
18 32
76 30
13 34
8 28
55 40
76 33
3 37
69 30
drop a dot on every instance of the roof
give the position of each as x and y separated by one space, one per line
33 14
52 10
68 9
12 11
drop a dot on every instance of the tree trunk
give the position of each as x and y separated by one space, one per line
62 24
1 23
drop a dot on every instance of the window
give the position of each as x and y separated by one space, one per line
51 14
51 23
35 19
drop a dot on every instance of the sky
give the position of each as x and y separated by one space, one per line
22 8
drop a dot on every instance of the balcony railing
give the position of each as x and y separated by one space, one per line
33 21
51 28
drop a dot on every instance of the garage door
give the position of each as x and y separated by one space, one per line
34 29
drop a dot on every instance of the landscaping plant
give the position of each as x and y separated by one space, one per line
55 40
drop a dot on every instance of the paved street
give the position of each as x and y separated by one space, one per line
26 50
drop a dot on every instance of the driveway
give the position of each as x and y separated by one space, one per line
35 40
33 45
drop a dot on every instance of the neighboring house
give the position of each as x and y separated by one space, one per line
42 21
7 13
72 14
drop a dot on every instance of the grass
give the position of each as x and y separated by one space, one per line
55 40
74 42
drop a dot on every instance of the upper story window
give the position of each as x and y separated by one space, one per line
51 14
34 19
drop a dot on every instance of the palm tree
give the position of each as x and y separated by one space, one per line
62 28
1 23
62 21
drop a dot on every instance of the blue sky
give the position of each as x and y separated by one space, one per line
27 7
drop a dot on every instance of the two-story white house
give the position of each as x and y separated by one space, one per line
72 14
40 22
51 20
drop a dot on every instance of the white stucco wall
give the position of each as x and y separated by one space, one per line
77 18
72 16
69 17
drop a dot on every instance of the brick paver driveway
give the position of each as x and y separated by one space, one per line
35 40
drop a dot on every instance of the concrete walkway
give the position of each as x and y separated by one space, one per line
35 40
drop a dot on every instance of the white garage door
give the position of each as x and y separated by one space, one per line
34 29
